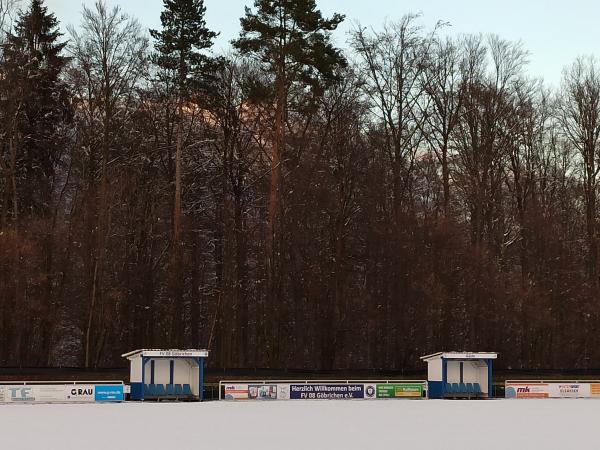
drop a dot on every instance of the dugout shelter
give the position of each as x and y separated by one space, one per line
167 374
459 374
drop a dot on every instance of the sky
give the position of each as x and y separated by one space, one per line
555 32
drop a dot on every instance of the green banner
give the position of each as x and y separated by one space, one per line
399 390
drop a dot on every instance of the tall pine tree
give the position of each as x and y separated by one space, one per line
181 54
292 40
35 113
35 107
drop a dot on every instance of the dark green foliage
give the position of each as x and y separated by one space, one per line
182 43
292 34
36 101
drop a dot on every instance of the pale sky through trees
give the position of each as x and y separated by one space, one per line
554 31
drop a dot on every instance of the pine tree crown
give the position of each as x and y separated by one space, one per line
182 43
295 35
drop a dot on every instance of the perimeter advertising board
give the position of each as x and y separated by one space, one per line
34 394
321 391
80 393
109 393
257 391
236 392
552 390
284 391
326 391
401 390
60 393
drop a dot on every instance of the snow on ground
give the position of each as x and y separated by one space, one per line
307 425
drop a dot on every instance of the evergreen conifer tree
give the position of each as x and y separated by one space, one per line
36 104
181 54
292 40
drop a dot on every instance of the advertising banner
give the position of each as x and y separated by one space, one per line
283 391
257 391
109 393
401 390
19 394
27 394
60 393
49 393
569 390
326 391
321 391
262 392
536 390
79 393
236 392
552 390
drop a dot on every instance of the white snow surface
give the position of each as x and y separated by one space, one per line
289 425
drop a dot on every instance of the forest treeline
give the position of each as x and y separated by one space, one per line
291 203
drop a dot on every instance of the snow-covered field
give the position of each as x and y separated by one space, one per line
306 425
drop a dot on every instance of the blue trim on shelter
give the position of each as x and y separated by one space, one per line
435 389
444 376
144 361
137 391
490 379
201 378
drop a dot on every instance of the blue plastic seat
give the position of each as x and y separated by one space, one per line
470 388
170 390
477 388
160 390
462 388
455 388
178 390
187 390
150 390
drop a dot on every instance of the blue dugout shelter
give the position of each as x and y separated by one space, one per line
459 374
167 374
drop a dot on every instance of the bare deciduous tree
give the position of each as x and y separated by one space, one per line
443 85
109 55
580 118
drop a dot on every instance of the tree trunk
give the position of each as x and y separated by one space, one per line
177 199
102 221
176 255
591 215
13 174
446 179
241 281
272 318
